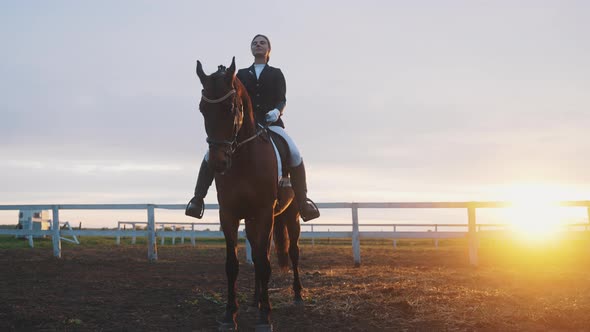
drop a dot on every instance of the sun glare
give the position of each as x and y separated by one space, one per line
535 214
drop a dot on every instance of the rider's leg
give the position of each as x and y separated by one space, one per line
307 207
196 206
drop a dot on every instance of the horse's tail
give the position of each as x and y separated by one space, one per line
281 238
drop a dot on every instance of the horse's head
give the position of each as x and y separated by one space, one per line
222 110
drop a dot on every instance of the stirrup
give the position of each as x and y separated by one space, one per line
312 214
192 209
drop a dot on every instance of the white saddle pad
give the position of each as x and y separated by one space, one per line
279 164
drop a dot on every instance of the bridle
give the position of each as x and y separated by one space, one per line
230 145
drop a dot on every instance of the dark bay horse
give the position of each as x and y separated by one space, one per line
246 178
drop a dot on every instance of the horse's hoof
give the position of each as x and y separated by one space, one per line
227 327
263 328
228 323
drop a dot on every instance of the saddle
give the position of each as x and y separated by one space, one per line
283 149
285 193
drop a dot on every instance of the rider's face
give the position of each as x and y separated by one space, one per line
260 47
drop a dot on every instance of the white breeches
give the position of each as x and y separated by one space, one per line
295 159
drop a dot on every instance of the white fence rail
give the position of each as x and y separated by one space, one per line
151 232
178 230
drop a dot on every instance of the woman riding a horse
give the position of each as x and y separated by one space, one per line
266 88
242 160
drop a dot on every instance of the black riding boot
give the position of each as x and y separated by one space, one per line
196 206
307 207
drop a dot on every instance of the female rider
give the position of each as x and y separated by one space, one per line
266 88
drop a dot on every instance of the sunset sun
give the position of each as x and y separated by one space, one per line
535 213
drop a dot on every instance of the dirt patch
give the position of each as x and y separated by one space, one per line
414 289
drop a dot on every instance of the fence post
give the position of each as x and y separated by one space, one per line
248 252
193 234
472 235
118 234
133 240
31 236
312 237
174 234
55 231
162 237
436 234
394 236
151 235
356 239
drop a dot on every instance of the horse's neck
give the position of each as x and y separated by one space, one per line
249 159
248 128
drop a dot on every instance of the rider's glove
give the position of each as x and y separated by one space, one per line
272 116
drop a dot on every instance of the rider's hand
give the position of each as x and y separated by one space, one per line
272 116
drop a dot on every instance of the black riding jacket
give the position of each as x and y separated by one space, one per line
266 93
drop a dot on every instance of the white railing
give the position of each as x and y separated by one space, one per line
178 230
151 233
432 231
181 233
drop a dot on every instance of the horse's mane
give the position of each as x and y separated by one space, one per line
241 90
246 102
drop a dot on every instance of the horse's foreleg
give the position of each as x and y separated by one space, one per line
259 235
294 231
232 266
253 244
256 300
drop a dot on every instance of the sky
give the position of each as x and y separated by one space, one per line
387 100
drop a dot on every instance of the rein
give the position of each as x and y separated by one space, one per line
258 132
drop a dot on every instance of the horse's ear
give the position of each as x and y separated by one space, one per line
201 73
232 68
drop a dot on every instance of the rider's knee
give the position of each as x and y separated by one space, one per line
295 158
